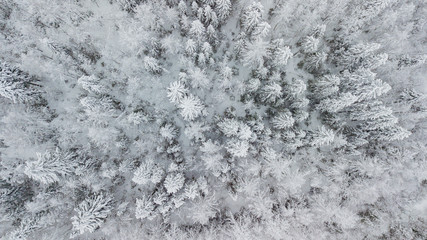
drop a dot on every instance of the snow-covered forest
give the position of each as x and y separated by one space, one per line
213 119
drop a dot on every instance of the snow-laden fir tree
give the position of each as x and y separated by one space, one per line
364 84
168 131
355 55
145 208
237 147
148 172
283 120
322 136
296 87
204 209
50 166
280 53
271 92
191 107
251 17
174 182
310 44
198 78
334 105
17 85
92 84
177 91
211 156
223 9
325 86
256 53
91 213
369 110
152 65
197 31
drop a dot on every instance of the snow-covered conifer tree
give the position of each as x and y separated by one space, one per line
333 105
191 107
322 136
177 91
325 86
145 208
271 92
283 120
174 182
197 30
256 53
92 84
223 9
17 85
50 166
91 213
237 148
152 65
310 44
251 16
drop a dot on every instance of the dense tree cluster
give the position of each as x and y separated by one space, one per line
213 119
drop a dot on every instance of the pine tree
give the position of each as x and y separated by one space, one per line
195 131
99 109
91 213
391 134
253 85
50 166
299 103
251 17
234 128
407 61
325 86
204 209
271 92
410 96
211 34
310 44
191 190
280 53
369 111
296 87
210 16
334 105
211 156
322 136
152 65
237 148
147 172
191 107
198 78
283 120
354 56
177 91
174 182
168 131
300 115
191 47
223 9
364 85
256 53
197 31
315 61
364 12
145 208
182 7
17 85
92 84
374 61
261 31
